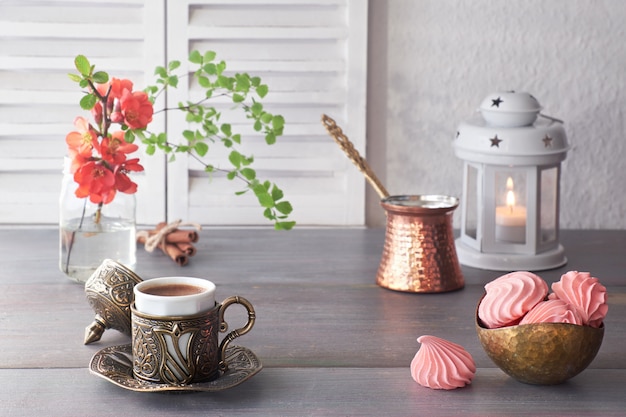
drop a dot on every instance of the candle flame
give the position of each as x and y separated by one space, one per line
509 184
510 199
510 195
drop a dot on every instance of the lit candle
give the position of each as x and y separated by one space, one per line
510 219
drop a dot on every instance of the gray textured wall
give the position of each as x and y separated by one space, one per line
431 62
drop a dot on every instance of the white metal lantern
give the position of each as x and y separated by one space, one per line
512 167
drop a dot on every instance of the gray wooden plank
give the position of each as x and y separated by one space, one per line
318 255
297 325
315 392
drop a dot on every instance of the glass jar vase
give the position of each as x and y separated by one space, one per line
89 233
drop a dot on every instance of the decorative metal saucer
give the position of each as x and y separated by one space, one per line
115 364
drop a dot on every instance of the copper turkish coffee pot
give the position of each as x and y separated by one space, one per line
419 254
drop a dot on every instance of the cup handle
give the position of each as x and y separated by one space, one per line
237 332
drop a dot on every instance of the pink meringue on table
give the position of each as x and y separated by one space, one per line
440 364
553 311
509 297
584 292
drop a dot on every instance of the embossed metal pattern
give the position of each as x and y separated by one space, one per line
419 253
175 350
109 291
541 353
115 364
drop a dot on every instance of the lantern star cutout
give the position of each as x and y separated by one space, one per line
495 141
496 102
547 141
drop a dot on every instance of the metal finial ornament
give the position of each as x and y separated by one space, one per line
109 291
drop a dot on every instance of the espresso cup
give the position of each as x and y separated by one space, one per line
175 325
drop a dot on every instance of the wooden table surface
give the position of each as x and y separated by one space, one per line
330 340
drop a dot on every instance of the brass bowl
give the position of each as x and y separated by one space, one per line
541 353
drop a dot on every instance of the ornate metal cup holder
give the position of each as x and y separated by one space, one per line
110 293
115 364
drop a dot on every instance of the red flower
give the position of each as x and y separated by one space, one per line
136 108
115 148
115 87
81 143
96 182
122 181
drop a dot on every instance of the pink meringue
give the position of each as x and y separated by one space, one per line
553 311
440 364
510 297
584 292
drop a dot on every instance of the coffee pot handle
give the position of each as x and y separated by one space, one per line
237 332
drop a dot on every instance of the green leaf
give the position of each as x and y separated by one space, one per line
82 65
236 138
270 138
195 57
235 158
173 80
284 225
284 207
243 82
266 118
277 193
265 199
256 108
278 122
238 98
248 173
100 77
226 130
209 56
75 77
150 149
129 136
231 175
83 83
201 148
161 72
262 90
189 135
210 68
88 101
173 65
258 125
204 81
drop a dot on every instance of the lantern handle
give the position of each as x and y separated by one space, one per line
553 119
344 143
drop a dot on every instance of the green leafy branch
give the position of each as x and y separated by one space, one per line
245 92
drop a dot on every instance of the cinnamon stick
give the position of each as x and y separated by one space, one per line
179 236
187 248
175 253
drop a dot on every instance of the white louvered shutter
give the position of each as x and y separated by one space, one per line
312 54
38 102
